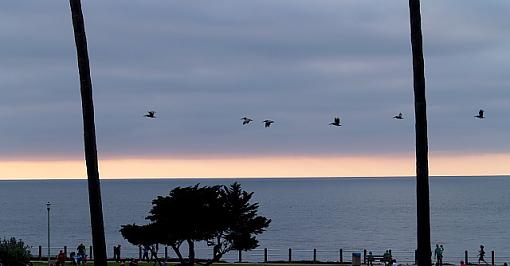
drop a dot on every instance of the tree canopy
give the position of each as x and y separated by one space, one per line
220 215
14 252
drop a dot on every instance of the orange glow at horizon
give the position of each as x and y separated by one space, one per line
289 166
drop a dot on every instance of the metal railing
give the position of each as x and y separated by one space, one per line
266 255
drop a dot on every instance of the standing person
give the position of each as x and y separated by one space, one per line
81 250
462 263
61 258
153 255
387 258
436 251
145 253
116 253
481 255
81 256
438 254
370 259
442 254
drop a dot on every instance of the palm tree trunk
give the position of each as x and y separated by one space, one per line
422 168
96 212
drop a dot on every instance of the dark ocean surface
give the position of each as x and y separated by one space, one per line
326 214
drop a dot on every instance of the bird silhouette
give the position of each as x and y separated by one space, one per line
150 114
246 120
267 123
399 116
336 122
480 114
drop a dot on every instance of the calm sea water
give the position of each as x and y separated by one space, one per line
326 214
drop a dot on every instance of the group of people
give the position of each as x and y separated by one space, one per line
80 257
388 260
438 254
77 258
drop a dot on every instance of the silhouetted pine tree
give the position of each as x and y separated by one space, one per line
223 216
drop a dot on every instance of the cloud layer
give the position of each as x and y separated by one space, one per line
202 65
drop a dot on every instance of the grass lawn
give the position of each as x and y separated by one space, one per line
217 264
111 263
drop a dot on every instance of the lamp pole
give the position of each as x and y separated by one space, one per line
48 204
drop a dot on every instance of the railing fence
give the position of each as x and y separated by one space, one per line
274 255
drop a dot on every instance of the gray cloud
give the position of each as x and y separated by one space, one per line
204 64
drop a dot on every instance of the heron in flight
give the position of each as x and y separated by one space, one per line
480 114
246 120
150 114
336 122
399 116
267 123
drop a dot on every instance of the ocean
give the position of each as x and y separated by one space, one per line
326 214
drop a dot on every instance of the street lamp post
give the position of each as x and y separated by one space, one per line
48 204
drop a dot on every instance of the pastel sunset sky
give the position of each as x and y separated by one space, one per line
202 65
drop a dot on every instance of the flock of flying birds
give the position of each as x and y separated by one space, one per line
336 120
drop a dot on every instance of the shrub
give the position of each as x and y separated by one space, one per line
14 252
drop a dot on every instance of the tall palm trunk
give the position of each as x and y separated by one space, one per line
96 212
422 165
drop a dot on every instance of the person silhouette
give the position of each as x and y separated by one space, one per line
116 253
145 253
438 254
370 259
481 255
61 258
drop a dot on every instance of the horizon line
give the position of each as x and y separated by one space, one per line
247 178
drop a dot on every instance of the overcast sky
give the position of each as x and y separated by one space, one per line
202 65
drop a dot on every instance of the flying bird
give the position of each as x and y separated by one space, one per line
150 114
267 123
480 114
246 120
399 116
336 122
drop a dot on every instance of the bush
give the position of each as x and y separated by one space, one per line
14 252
